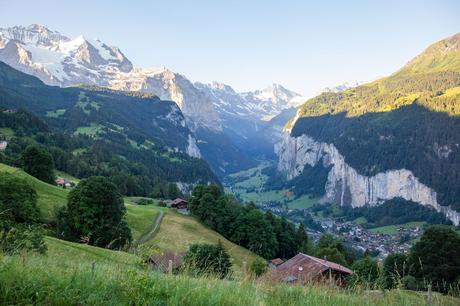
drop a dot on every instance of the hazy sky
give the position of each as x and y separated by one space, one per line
250 44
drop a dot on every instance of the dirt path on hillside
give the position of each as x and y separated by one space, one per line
153 229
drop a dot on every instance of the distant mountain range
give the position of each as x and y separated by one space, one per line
212 111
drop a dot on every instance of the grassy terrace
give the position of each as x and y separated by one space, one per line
91 130
393 229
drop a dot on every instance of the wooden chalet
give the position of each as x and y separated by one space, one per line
162 260
179 204
302 269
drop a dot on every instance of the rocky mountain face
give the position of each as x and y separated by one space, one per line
168 85
248 118
346 186
397 137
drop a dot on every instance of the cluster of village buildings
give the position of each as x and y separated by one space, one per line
364 239
354 234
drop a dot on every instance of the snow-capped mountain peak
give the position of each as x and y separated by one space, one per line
57 59
255 105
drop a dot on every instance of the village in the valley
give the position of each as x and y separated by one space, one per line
356 235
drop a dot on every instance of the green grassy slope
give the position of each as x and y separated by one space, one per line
177 232
67 252
49 196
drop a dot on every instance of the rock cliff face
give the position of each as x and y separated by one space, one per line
346 186
168 85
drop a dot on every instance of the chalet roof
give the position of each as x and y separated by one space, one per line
178 200
162 259
277 261
304 267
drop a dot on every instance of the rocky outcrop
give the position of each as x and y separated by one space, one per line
168 85
192 148
346 186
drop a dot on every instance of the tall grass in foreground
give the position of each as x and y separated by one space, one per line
42 280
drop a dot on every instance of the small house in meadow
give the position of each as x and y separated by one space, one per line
303 268
161 261
179 204
60 181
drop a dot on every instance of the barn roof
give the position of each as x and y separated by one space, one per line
162 259
304 267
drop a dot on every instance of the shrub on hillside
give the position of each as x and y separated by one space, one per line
208 259
19 238
395 269
365 272
258 267
94 214
144 202
334 250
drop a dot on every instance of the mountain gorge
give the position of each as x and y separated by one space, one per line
394 137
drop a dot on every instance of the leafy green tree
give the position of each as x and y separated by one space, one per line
254 232
436 257
18 200
334 250
38 162
95 214
395 268
208 259
365 272
331 254
258 267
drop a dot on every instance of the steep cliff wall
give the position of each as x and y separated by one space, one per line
345 185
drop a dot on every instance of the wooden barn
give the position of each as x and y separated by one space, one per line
162 260
302 269
179 204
